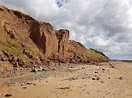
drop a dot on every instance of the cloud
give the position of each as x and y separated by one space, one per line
105 25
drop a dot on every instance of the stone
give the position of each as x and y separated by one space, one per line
96 72
103 69
24 87
29 83
8 95
98 78
121 77
83 67
64 88
73 78
112 66
93 78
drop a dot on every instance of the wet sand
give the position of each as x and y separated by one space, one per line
104 80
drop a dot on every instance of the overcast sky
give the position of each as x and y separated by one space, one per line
105 25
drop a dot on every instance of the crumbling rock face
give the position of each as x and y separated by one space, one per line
29 42
63 42
44 37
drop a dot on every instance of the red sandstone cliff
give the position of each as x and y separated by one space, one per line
25 41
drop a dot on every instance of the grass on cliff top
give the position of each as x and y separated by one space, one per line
88 52
92 54
99 52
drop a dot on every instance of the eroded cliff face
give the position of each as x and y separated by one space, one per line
43 35
63 43
30 42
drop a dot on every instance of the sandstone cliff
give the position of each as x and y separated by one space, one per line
25 42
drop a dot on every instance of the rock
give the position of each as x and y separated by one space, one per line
45 68
27 53
96 78
11 34
34 70
29 83
64 88
83 67
24 87
34 84
93 78
96 72
73 78
121 78
112 66
103 69
8 95
39 69
3 57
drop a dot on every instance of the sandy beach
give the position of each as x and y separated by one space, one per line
103 80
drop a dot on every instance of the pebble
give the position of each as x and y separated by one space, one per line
93 78
83 67
24 87
103 69
8 95
121 78
96 72
29 83
97 78
112 66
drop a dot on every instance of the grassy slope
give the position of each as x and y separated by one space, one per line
89 53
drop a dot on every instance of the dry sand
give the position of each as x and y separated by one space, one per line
80 81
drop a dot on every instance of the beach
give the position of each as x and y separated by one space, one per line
100 80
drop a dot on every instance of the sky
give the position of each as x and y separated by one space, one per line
105 25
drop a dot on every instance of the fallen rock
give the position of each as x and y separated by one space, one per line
34 70
96 78
8 95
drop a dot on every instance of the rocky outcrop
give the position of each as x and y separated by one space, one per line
63 42
30 42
